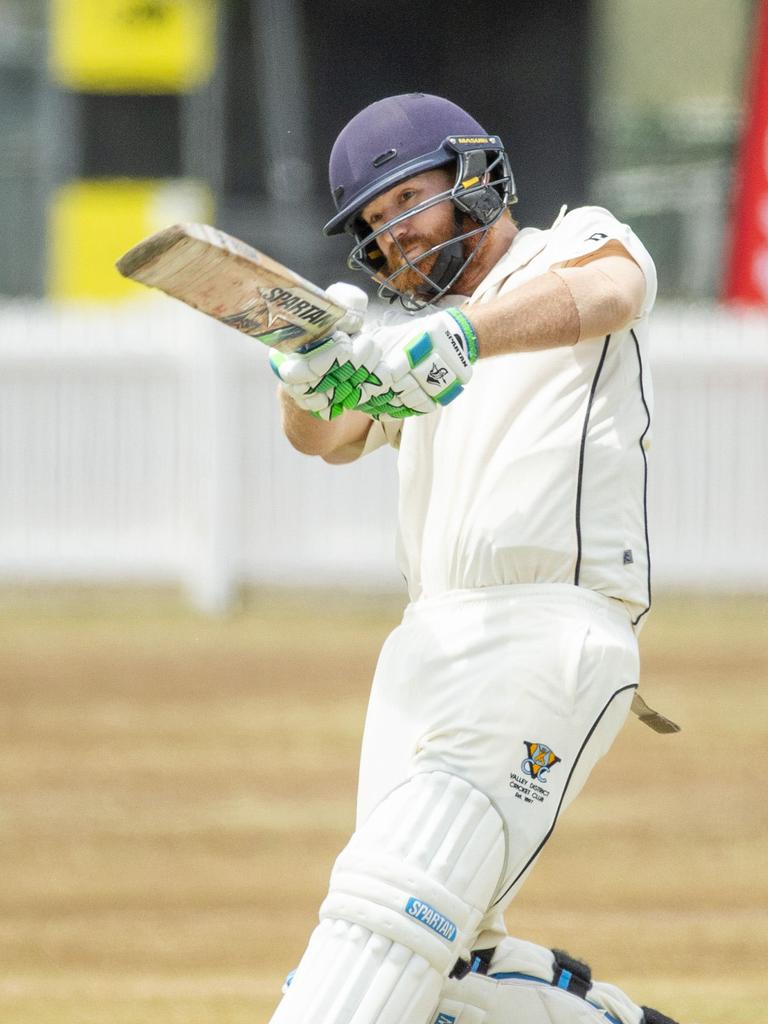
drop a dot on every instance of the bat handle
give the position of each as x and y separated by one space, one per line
312 345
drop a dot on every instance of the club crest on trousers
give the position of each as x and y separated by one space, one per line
539 761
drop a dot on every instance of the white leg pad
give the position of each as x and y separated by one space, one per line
511 993
477 999
406 894
351 974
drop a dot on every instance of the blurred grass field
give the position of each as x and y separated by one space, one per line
173 790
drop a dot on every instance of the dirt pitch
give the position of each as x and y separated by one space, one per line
173 791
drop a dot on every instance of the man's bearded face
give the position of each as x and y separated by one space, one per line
407 240
410 280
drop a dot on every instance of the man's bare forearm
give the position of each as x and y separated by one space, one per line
560 307
538 315
338 440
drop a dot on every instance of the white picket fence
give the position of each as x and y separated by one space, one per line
143 444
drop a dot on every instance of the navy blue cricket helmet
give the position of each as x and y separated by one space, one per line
401 136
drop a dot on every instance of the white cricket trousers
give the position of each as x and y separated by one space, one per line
517 689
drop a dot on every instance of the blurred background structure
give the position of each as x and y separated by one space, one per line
175 784
139 443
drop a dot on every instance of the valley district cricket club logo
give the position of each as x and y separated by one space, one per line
539 761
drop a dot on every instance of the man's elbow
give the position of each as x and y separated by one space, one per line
620 289
606 298
344 454
305 445
619 309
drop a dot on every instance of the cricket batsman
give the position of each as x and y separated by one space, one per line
514 384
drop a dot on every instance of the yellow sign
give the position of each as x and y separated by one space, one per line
92 223
152 46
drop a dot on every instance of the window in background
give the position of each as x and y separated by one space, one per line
667 91
22 49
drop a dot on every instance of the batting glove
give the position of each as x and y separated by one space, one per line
430 368
356 302
334 376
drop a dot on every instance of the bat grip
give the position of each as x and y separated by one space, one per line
312 345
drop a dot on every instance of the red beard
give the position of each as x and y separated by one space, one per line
409 281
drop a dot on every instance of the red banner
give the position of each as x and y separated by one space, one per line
746 278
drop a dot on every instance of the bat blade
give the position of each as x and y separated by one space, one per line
229 280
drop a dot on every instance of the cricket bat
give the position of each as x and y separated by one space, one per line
234 283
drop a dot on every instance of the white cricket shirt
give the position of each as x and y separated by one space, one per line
537 472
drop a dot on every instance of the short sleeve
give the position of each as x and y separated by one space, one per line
587 230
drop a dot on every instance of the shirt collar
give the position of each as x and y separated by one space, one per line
527 243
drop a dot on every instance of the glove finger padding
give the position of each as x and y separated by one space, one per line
399 401
356 302
439 359
310 367
334 376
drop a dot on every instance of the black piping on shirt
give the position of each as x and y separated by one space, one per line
582 449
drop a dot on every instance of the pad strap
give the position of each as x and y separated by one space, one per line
571 974
651 1016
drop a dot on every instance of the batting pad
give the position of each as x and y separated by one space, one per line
406 896
524 983
477 999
